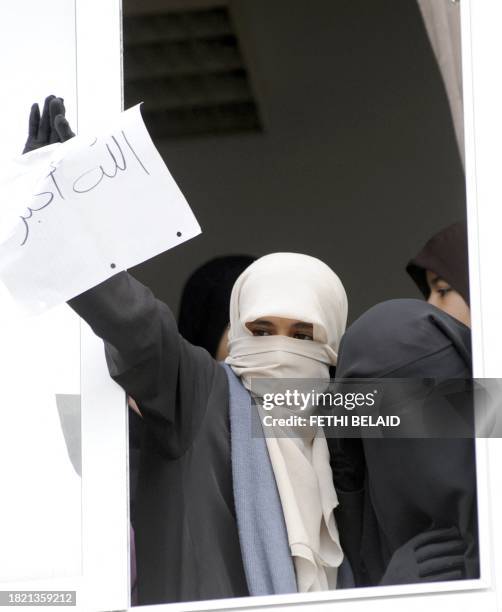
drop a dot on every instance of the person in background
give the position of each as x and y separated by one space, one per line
441 271
407 508
204 309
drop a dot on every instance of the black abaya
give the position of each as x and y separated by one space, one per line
414 484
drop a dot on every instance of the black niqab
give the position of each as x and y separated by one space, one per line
413 484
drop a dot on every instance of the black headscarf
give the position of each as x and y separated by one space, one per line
446 255
204 308
415 484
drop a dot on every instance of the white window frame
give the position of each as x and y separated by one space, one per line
105 489
104 580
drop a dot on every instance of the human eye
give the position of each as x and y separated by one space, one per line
443 291
261 332
303 336
260 328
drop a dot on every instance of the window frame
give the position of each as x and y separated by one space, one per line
98 61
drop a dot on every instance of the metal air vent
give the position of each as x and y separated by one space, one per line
187 67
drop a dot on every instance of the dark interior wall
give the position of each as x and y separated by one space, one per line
357 164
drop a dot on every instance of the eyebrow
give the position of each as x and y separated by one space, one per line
299 325
302 325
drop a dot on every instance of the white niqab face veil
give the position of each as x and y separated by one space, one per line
291 286
302 288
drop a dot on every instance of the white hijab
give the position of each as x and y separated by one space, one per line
302 288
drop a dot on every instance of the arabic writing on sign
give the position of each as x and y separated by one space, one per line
120 153
104 202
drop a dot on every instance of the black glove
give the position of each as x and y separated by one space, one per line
50 128
430 556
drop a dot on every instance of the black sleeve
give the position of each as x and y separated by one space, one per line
169 378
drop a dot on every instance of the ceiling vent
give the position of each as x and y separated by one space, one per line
188 69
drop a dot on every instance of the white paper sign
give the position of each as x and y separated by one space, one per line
74 214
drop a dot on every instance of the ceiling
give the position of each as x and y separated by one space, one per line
186 65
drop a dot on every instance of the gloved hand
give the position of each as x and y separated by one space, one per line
50 128
430 556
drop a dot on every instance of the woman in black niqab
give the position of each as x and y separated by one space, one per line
393 491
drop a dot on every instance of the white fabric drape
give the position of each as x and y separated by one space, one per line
442 22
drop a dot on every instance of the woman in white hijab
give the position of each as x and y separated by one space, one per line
287 315
217 514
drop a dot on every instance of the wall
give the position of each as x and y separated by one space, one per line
357 164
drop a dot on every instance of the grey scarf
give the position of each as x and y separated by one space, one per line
260 521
